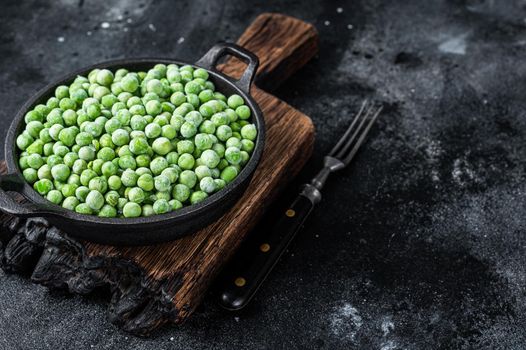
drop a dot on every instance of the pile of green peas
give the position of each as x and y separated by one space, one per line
130 144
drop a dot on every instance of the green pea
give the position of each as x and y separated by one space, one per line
131 210
186 161
30 175
146 182
188 129
139 146
81 193
210 158
243 112
198 196
114 182
107 211
43 186
60 172
98 184
44 172
188 178
161 206
95 200
70 203
229 173
129 178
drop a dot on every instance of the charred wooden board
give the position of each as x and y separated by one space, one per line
153 285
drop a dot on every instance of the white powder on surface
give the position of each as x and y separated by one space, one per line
345 321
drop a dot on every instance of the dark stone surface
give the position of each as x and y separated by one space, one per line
421 244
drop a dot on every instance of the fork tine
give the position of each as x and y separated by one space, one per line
342 140
348 143
358 143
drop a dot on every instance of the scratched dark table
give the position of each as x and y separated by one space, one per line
421 244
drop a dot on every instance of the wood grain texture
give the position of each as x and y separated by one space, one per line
153 285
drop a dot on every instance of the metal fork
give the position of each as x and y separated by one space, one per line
249 268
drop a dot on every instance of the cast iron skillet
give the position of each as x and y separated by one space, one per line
143 230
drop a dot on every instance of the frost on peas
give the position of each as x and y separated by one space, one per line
118 143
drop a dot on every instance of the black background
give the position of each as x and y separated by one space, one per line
420 244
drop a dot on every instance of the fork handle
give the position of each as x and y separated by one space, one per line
249 268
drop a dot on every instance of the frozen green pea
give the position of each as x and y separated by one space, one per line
87 153
146 182
30 175
107 211
112 198
220 183
181 192
84 208
98 184
43 186
44 172
153 107
186 161
158 165
207 185
131 210
185 146
161 146
143 160
223 132
114 182
175 204
177 121
147 210
138 122
162 183
210 158
243 112
23 141
139 146
104 77
68 190
188 129
233 142
171 173
35 161
86 176
233 155
70 203
130 83
95 200
120 137
247 145
169 132
202 171
54 196
129 178
172 158
229 173
249 132
136 195
152 130
81 193
60 172
83 139
51 160
161 206
188 178
244 157
79 166
198 196
35 115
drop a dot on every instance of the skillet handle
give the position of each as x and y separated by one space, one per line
219 50
15 183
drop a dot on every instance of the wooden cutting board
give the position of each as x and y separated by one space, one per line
154 285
